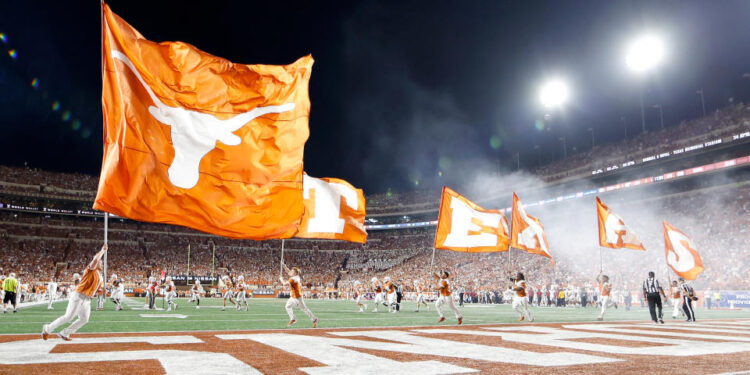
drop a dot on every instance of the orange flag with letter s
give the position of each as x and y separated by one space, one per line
465 226
613 233
334 209
527 232
680 253
195 140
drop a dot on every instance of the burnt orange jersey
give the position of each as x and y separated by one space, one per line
240 286
675 292
295 286
390 288
521 284
605 288
444 287
89 282
378 289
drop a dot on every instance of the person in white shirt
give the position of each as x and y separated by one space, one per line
51 293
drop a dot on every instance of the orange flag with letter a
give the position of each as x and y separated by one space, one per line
465 226
195 140
679 250
334 209
527 232
613 232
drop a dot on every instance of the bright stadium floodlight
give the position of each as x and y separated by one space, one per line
554 93
644 53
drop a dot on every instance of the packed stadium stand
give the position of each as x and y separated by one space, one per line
48 228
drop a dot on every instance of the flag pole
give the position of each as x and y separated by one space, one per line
281 264
106 230
187 275
432 261
213 263
601 260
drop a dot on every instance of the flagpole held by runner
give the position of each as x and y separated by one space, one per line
106 230
281 264
432 261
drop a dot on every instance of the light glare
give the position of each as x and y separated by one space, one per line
644 53
554 93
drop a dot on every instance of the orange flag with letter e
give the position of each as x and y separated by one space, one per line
334 209
679 250
465 226
613 232
527 232
195 140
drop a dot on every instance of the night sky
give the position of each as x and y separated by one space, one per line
401 91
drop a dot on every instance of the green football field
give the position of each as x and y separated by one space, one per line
270 314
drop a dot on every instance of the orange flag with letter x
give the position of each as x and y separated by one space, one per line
195 140
613 232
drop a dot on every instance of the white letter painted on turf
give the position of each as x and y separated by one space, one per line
174 361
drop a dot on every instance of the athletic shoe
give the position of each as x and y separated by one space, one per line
460 320
661 321
315 323
197 307
688 320
375 310
442 319
45 334
169 309
50 308
291 322
15 311
66 338
600 318
360 310
223 308
521 318
531 320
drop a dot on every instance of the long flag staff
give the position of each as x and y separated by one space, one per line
281 265
213 263
106 229
432 261
187 275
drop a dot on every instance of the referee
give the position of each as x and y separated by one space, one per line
653 292
10 286
688 296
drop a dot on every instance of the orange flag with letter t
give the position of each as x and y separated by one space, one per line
613 232
527 232
465 226
679 250
334 209
195 140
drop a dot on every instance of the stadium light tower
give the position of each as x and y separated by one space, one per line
554 93
644 54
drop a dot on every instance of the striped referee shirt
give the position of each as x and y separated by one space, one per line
651 285
687 290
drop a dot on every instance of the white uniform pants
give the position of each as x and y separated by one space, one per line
78 305
521 305
241 297
676 307
300 303
51 294
607 302
446 300
391 299
378 299
420 299
196 297
168 298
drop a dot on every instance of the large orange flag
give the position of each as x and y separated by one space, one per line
195 140
465 226
613 232
679 250
334 209
527 232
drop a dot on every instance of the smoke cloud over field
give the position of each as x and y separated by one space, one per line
572 231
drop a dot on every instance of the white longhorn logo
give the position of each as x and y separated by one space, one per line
194 134
617 232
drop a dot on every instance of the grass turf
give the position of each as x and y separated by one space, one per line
270 314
